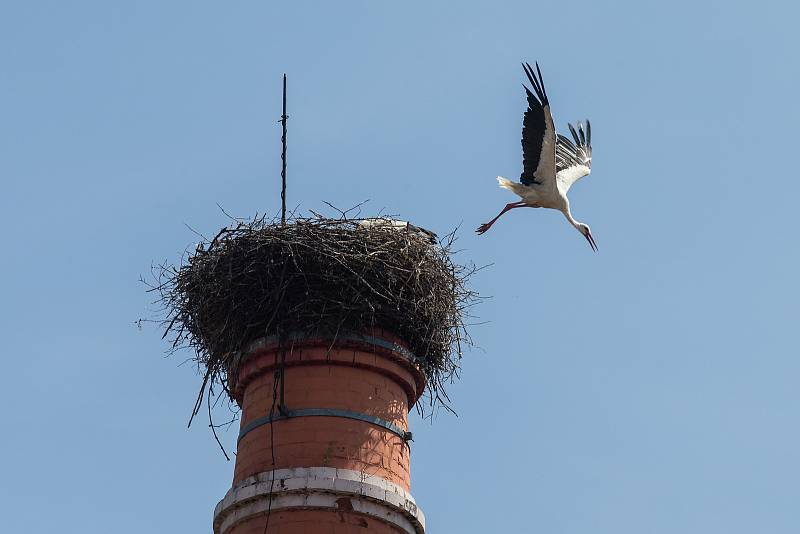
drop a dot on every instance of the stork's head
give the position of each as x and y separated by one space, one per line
587 233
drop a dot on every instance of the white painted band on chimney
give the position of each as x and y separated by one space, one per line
319 488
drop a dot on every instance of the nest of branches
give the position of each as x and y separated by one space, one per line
318 277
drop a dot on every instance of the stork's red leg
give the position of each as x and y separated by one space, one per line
485 226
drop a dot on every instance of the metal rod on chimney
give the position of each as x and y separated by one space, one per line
283 155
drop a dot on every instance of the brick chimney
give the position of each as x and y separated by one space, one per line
323 446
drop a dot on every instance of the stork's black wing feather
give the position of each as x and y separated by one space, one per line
533 125
569 154
573 160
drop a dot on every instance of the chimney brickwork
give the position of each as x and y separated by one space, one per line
324 432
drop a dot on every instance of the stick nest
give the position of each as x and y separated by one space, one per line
319 277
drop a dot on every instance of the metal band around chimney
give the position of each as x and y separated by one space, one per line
395 348
319 488
325 412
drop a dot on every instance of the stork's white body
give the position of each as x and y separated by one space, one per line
552 163
543 196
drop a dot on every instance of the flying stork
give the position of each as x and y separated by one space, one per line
551 162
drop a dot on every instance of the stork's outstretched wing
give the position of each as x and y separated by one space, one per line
573 160
538 134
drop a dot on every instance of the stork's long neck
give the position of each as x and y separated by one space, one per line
570 218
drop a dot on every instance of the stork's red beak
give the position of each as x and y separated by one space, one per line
590 239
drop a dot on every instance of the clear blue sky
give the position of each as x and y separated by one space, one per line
651 387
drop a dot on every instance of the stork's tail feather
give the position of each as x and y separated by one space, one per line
505 183
515 187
